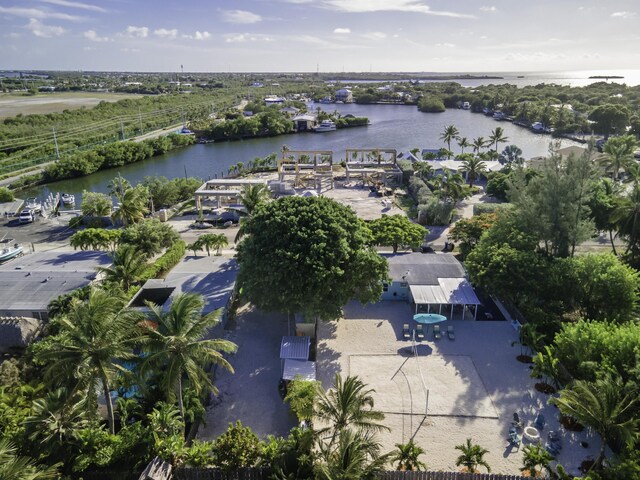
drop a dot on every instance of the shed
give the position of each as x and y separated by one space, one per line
299 368
296 348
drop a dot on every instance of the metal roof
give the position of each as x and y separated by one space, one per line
295 347
449 291
423 268
302 368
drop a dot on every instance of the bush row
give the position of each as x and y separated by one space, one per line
165 262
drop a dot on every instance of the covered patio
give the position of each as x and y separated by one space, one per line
445 297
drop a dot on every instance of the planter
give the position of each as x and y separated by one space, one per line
571 424
545 388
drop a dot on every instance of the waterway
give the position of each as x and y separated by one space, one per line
392 126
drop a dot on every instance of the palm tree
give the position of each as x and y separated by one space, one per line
195 246
407 455
463 143
617 154
497 136
178 345
348 404
424 169
212 241
626 217
472 456
604 406
132 205
13 467
95 336
451 187
604 202
511 154
254 195
535 456
356 456
474 167
127 265
118 186
450 133
478 143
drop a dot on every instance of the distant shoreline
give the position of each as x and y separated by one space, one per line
606 76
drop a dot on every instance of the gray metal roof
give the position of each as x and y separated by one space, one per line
295 347
302 368
58 262
449 291
423 268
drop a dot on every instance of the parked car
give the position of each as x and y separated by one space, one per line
26 216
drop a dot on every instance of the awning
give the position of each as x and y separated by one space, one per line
295 347
303 368
449 291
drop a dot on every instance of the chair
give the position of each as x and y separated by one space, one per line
515 440
419 332
517 423
539 422
452 336
436 332
406 333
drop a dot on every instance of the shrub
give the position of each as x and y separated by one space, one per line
301 395
165 262
431 104
480 208
236 448
435 212
419 190
6 195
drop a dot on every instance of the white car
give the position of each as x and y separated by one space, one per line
26 216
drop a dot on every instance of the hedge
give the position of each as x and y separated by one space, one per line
165 262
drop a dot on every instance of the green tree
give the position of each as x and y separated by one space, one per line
132 205
478 144
468 231
308 255
301 395
14 467
127 265
397 231
610 118
626 217
474 167
535 456
472 456
605 198
497 136
212 241
95 204
618 154
238 447
95 336
254 195
408 456
6 195
95 239
511 154
606 406
423 169
449 134
178 347
463 142
150 237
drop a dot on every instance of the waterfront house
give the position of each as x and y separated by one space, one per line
305 122
344 95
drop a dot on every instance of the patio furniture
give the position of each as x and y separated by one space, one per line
419 332
517 423
514 440
553 449
539 422
406 333
452 336
531 434
436 332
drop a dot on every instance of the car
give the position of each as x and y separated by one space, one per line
26 216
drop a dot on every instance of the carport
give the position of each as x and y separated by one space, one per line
294 348
448 292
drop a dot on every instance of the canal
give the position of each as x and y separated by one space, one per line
392 126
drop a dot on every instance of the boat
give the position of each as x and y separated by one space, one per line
466 106
326 126
487 111
8 251
538 127
33 204
499 115
68 199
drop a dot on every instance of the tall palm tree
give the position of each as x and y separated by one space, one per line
463 143
13 467
133 205
254 195
178 345
348 404
472 456
478 144
474 167
127 265
118 186
407 455
95 336
626 217
356 456
497 136
450 133
211 241
424 169
617 154
604 406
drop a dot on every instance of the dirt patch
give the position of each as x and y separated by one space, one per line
12 105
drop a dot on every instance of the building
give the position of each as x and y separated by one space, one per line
29 283
433 283
344 95
305 122
16 333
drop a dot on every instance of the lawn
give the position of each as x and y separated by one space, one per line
12 104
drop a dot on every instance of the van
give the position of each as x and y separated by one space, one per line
26 216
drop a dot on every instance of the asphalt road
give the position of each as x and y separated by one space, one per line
43 230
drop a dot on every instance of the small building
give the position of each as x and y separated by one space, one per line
16 333
432 283
305 122
290 111
344 95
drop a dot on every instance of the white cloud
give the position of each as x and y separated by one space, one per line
12 35
240 17
486 8
88 49
445 44
139 32
44 31
375 35
38 14
198 36
624 15
166 33
93 36
130 50
246 37
364 6
342 30
79 5
483 37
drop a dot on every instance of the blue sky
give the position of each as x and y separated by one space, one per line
336 35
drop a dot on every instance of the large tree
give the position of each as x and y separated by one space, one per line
449 134
497 136
610 118
308 255
127 264
474 167
397 231
618 154
132 205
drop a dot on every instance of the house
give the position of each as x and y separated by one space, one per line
290 111
344 95
28 284
432 282
16 333
305 122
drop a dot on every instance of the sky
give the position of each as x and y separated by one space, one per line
324 35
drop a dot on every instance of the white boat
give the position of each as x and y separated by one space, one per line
499 115
326 126
68 199
7 251
33 204
538 127
466 106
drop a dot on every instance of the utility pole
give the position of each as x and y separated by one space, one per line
55 141
122 130
140 120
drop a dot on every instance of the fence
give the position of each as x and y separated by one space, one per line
260 474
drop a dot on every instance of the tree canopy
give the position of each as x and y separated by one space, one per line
308 255
397 231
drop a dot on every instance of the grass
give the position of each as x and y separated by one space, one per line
12 104
407 204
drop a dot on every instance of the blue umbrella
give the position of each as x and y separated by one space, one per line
429 318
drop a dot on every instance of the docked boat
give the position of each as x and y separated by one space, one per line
326 126
487 111
538 127
8 251
33 204
499 116
68 199
466 106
